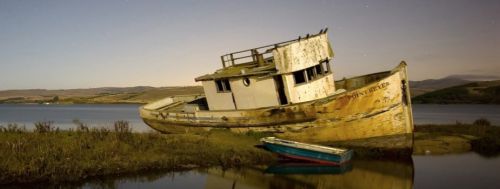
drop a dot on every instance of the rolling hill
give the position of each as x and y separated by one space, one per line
451 89
421 87
140 94
481 92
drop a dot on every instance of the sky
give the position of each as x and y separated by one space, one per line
63 44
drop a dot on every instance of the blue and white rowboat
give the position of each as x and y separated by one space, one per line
307 152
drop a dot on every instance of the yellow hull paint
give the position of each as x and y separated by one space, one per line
375 108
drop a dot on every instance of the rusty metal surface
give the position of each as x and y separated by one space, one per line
375 105
302 54
365 174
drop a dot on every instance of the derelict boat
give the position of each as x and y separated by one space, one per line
289 88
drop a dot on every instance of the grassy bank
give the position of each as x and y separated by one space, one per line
51 155
48 154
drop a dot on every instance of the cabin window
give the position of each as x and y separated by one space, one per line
319 69
299 77
226 84
246 81
218 83
223 85
310 73
326 66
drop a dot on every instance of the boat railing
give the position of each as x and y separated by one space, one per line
259 54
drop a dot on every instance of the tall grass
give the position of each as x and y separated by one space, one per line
44 127
12 128
49 154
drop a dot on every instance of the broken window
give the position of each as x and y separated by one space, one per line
299 77
319 70
223 85
310 73
326 66
218 83
227 87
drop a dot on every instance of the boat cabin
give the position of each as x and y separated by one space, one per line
279 74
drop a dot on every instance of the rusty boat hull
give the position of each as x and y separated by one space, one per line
373 111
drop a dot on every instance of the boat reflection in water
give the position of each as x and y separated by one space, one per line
289 175
357 174
307 168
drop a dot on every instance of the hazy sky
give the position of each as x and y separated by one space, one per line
80 44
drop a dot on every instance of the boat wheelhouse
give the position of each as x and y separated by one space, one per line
284 73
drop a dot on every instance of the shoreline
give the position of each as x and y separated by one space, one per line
70 156
50 155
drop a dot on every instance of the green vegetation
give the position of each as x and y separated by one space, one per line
48 154
53 155
425 86
485 92
480 137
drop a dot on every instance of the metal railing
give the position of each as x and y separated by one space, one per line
254 56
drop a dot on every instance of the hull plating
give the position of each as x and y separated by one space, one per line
375 111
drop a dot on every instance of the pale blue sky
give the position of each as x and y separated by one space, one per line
80 44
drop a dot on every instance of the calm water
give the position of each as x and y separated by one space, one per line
449 171
105 115
465 113
96 115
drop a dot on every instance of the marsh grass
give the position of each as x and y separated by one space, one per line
51 155
48 154
483 137
44 127
13 128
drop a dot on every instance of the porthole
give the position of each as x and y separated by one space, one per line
246 81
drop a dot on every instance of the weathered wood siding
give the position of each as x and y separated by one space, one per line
217 100
311 90
302 54
261 92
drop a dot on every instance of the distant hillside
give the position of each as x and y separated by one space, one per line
481 92
140 94
146 94
421 87
472 77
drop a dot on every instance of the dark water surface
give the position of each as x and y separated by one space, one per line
103 115
447 171
467 170
445 114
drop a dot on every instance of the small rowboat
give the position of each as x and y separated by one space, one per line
308 152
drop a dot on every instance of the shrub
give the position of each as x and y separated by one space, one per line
80 126
122 130
12 128
99 133
44 126
122 127
482 122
